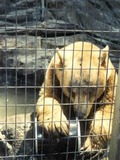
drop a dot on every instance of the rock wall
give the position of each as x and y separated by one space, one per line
31 30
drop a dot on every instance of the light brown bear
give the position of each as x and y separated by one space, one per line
80 79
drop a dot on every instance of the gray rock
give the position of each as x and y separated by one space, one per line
95 18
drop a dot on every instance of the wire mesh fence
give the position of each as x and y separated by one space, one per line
58 63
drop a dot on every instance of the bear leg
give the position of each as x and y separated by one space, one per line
51 118
100 130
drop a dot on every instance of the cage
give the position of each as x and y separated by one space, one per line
57 77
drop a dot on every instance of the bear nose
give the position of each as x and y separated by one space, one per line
81 115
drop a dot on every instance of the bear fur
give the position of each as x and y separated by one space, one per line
80 82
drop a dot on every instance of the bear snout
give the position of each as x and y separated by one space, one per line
82 110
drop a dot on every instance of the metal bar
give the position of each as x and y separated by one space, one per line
43 9
116 125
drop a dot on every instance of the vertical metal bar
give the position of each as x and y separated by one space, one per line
43 9
116 125
6 76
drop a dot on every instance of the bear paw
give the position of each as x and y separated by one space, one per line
91 148
51 118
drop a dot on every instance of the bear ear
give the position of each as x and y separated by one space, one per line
58 59
104 56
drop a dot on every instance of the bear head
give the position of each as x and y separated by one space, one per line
82 70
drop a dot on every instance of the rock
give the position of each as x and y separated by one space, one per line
25 62
17 112
18 52
15 139
20 41
98 18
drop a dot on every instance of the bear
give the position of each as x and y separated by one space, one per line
80 81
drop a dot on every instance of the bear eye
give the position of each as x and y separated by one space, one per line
92 90
73 94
